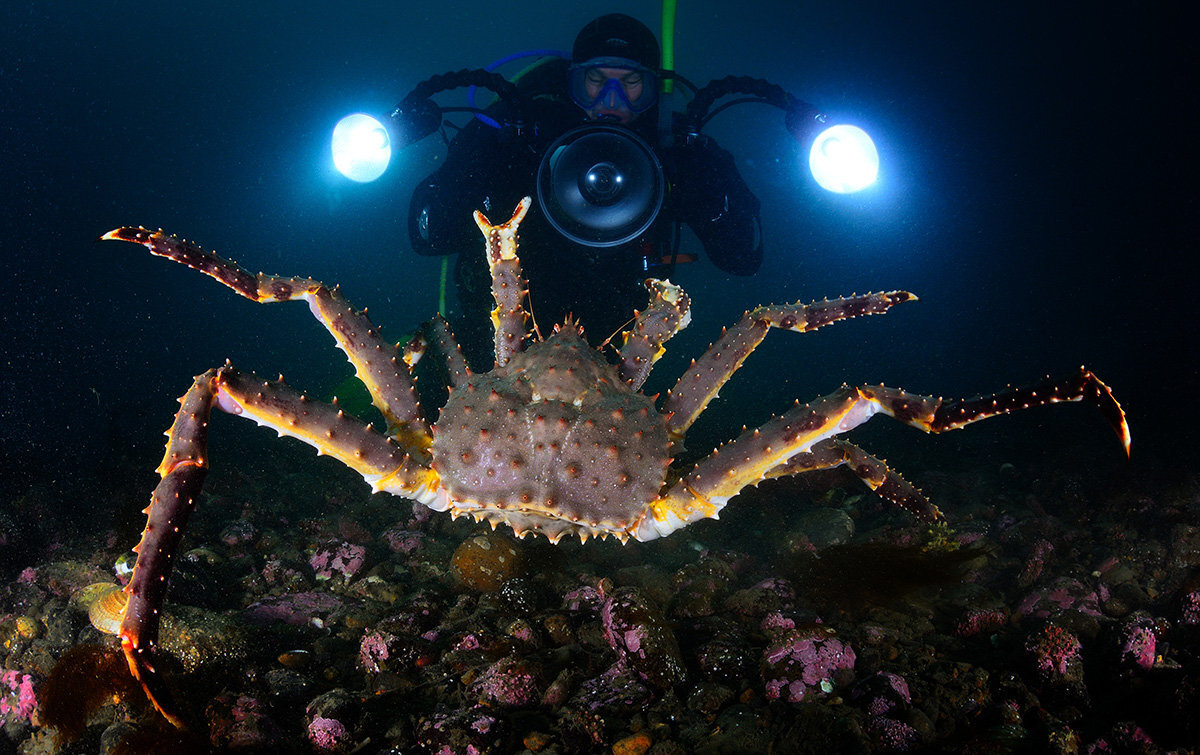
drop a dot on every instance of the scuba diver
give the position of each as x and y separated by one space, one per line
584 136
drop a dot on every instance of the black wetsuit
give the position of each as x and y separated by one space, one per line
490 169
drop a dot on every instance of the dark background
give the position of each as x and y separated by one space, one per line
1038 192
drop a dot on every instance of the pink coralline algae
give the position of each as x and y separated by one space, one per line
639 634
808 661
468 731
776 621
1138 642
404 541
883 693
509 683
890 735
375 649
1063 594
338 560
298 609
328 735
1190 609
240 723
1035 562
977 621
585 599
17 700
1056 654
381 651
239 532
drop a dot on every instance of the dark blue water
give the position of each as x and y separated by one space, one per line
1037 192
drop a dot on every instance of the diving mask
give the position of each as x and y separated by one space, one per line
593 85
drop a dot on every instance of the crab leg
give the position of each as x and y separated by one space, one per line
509 318
874 472
704 378
375 360
758 454
668 313
437 330
183 469
381 462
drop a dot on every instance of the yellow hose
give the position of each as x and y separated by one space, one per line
442 286
668 43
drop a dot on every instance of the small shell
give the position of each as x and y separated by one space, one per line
295 659
26 627
107 608
123 568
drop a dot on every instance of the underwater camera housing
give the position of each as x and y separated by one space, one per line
600 185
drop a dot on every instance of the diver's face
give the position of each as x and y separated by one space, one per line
612 107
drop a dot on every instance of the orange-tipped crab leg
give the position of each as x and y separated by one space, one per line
183 469
381 462
704 378
508 287
873 471
951 415
668 313
375 361
765 452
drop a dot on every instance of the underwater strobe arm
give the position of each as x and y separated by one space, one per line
842 158
417 116
362 146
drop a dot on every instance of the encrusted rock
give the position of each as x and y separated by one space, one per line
636 629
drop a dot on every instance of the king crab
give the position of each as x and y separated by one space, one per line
554 439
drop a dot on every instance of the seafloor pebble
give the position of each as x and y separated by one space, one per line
1056 655
619 691
288 686
1062 594
509 683
882 693
556 694
519 596
769 595
977 621
726 661
381 652
1137 642
581 730
806 662
636 629
241 723
890 735
299 609
199 638
329 735
404 541
239 532
1189 607
634 744
463 730
998 665
484 562
825 526
558 629
699 586
342 560
708 698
